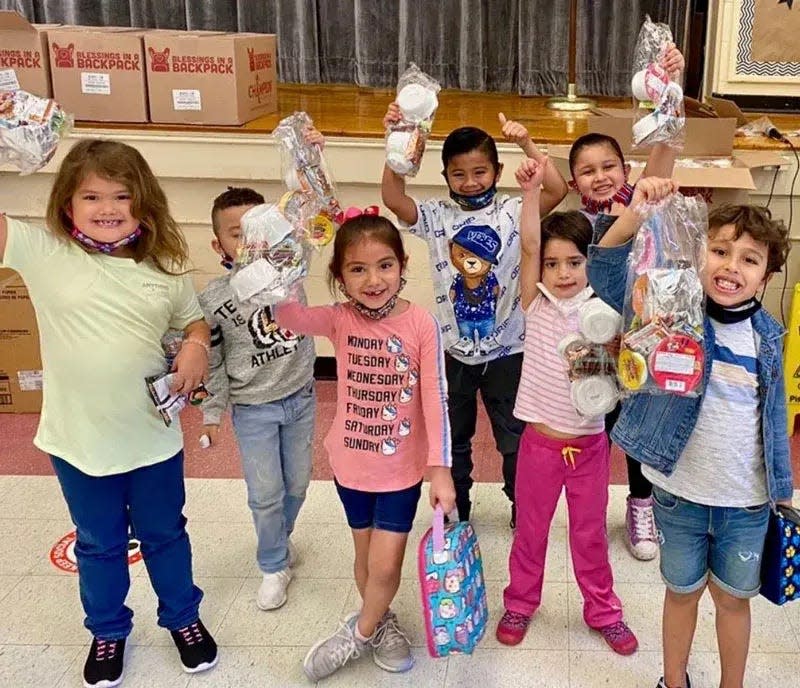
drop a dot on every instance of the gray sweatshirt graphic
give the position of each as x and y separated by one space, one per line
252 360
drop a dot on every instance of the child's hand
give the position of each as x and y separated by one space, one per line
514 132
212 432
442 491
652 190
673 62
313 136
190 368
392 116
530 174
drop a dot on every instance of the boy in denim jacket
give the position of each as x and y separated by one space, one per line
720 461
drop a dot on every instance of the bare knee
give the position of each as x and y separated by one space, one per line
727 603
684 599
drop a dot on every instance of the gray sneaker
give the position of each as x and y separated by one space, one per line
332 653
391 648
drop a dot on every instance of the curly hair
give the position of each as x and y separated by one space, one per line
162 241
757 221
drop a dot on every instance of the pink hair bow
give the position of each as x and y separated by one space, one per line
353 212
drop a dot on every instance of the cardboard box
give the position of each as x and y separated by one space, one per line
207 78
24 59
98 73
705 136
20 360
708 164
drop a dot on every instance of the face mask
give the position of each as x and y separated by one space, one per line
623 195
226 262
477 201
106 247
374 313
570 305
731 314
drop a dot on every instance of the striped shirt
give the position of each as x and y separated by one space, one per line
544 387
723 461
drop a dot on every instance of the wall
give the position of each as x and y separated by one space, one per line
195 169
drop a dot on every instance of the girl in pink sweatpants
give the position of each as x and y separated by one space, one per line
559 448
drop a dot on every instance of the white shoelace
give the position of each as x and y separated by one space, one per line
389 634
644 524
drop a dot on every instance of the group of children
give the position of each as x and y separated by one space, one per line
508 286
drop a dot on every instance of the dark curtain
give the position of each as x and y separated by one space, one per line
478 45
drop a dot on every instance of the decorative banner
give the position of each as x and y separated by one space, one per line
62 556
767 39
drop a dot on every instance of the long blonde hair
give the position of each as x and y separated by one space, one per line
162 241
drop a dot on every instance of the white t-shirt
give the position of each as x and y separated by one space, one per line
101 320
480 319
723 461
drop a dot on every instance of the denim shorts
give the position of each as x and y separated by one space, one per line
392 511
723 544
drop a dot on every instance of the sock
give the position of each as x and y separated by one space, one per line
361 638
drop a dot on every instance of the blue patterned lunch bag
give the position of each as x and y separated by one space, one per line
453 592
780 562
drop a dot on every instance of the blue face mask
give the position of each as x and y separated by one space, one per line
477 201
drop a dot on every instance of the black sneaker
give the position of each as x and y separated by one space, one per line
103 668
513 522
661 683
197 648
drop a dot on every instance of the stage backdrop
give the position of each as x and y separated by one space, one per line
482 45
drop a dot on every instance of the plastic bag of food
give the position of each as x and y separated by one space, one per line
662 341
30 129
590 356
659 114
273 251
307 178
406 139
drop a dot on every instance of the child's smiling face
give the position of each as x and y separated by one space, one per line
598 172
736 269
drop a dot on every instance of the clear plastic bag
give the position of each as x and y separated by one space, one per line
659 114
662 341
406 139
30 130
273 252
590 356
306 175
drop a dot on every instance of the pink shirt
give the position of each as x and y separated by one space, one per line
543 395
391 411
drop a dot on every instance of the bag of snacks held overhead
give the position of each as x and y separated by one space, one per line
406 139
662 341
659 114
273 252
30 129
307 178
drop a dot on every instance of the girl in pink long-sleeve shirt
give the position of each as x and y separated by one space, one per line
391 426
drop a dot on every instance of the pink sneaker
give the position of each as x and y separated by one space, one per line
512 628
620 638
640 526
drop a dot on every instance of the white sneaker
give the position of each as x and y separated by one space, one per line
293 556
272 592
640 529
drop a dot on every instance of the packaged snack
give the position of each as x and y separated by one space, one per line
273 252
30 129
659 114
592 374
167 403
406 139
662 341
308 180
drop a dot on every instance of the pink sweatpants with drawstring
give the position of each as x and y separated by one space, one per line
581 466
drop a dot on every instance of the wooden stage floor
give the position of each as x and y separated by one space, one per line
350 111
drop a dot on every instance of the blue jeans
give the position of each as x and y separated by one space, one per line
149 500
275 443
392 511
699 542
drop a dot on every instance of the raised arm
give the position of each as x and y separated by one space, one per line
393 185
649 190
529 177
554 185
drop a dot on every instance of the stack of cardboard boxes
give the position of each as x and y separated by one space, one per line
115 74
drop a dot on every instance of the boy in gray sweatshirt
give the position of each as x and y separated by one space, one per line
266 375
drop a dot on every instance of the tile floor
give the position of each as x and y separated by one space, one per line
43 642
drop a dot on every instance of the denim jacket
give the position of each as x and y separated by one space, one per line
654 428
